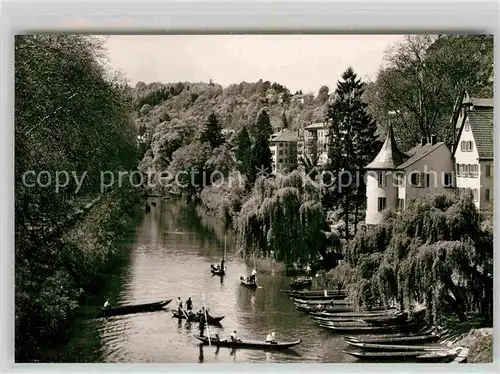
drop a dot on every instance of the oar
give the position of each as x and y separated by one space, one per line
225 237
206 319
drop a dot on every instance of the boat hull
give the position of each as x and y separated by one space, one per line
196 318
132 309
248 344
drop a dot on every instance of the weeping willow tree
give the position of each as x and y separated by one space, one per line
437 253
284 219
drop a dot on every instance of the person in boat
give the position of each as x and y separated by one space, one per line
189 305
234 337
107 304
271 338
217 338
202 324
253 276
222 264
179 306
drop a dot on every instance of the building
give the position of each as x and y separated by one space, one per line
284 148
473 150
316 142
393 178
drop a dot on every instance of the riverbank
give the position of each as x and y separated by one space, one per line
64 274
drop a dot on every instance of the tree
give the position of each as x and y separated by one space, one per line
262 160
423 77
212 132
244 151
262 127
353 144
284 121
323 94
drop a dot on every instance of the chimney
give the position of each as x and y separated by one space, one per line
423 141
433 139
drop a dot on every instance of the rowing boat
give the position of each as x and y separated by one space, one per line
313 298
367 328
248 344
378 338
394 347
196 318
130 309
217 270
247 283
321 302
313 293
396 355
351 314
366 318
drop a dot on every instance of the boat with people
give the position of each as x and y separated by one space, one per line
131 309
247 343
247 282
217 270
195 317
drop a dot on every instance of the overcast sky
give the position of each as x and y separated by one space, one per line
300 62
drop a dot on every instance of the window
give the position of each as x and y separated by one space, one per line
382 203
475 171
280 153
475 194
488 170
281 144
462 145
401 204
280 161
461 171
466 146
381 179
466 171
487 195
448 180
415 179
399 179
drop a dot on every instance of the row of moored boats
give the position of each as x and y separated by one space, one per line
376 334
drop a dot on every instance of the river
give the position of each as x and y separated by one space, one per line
171 253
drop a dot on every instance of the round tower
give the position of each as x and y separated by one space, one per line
381 184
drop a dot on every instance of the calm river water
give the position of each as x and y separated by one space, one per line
171 253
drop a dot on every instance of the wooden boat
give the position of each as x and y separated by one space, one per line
130 309
302 298
248 344
426 331
444 356
351 314
321 302
245 282
330 309
378 356
461 357
385 320
366 319
196 318
313 293
394 347
216 270
360 329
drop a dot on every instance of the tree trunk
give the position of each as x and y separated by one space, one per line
356 217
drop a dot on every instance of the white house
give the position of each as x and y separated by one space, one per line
395 177
473 153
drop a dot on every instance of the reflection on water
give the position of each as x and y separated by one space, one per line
171 256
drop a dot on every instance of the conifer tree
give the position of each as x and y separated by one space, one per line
212 132
244 150
353 144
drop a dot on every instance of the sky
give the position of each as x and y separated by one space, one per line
299 62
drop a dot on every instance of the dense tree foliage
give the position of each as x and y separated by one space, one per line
244 151
438 252
283 218
422 79
353 143
70 115
212 133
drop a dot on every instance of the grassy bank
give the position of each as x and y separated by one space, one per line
54 279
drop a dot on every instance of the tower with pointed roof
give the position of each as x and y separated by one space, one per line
381 184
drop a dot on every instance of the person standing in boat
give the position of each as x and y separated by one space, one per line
222 263
271 338
253 276
189 305
179 306
234 337
202 324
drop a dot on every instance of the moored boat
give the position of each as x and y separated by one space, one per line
394 347
301 298
428 332
314 293
248 344
395 355
360 329
351 314
131 309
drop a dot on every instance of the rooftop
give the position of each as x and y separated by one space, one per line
284 135
389 156
481 124
316 126
418 152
